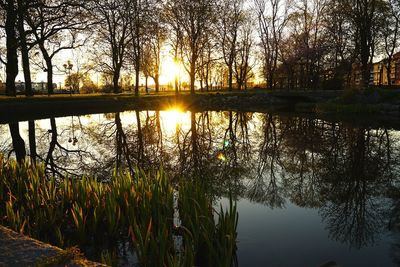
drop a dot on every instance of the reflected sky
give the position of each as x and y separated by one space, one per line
309 191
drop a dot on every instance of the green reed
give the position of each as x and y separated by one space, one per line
212 237
85 211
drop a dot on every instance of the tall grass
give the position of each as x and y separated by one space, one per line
138 210
211 234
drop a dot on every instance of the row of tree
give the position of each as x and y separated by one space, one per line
312 42
291 43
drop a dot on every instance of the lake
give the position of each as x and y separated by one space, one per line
308 190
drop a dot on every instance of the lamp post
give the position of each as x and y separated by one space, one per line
68 67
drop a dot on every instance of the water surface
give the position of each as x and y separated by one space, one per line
309 191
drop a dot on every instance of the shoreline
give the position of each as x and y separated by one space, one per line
330 105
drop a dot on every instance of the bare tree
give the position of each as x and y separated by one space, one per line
309 15
23 8
272 18
303 49
156 47
363 14
340 46
112 37
147 62
55 26
390 34
136 31
154 41
195 18
242 61
175 37
140 26
206 59
231 19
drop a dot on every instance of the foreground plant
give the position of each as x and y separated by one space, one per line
166 226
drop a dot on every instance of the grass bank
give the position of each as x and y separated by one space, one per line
163 223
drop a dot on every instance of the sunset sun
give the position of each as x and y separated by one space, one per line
170 70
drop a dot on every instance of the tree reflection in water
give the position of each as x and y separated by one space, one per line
235 153
266 187
60 157
18 143
205 154
32 142
348 173
123 151
355 204
302 144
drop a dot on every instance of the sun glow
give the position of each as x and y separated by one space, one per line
170 70
173 119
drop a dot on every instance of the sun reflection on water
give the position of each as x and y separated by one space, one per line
174 119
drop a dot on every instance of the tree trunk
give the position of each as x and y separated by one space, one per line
176 86
364 15
365 70
207 75
17 141
270 80
195 152
140 138
176 48
389 71
116 75
192 74
137 71
137 59
201 82
24 49
230 77
157 82
145 84
50 88
12 46
49 66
